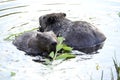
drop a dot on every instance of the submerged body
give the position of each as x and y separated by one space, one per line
80 35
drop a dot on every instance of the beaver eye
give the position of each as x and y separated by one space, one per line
44 37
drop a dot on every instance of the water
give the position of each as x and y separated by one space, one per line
21 15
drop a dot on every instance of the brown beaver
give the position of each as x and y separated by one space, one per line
36 43
80 35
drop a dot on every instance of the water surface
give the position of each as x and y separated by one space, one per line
20 15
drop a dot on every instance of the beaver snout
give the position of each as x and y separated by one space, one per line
53 46
54 43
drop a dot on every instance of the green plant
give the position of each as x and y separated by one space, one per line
119 14
112 76
63 52
12 36
102 76
117 68
13 74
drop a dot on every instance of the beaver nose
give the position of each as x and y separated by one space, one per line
53 47
54 43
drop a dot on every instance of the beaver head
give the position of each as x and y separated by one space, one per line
47 41
49 19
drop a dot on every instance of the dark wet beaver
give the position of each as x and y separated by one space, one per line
80 35
36 43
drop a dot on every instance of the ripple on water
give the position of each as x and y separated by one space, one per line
21 15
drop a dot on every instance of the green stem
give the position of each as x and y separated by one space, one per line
55 56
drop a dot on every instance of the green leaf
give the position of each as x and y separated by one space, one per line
67 48
47 62
59 47
119 14
97 67
13 74
65 56
60 40
52 54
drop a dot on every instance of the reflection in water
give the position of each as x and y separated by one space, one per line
6 1
13 7
55 4
10 14
21 25
44 10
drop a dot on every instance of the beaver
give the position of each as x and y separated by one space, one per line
36 43
80 35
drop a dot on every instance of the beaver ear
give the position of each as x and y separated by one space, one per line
64 14
51 20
